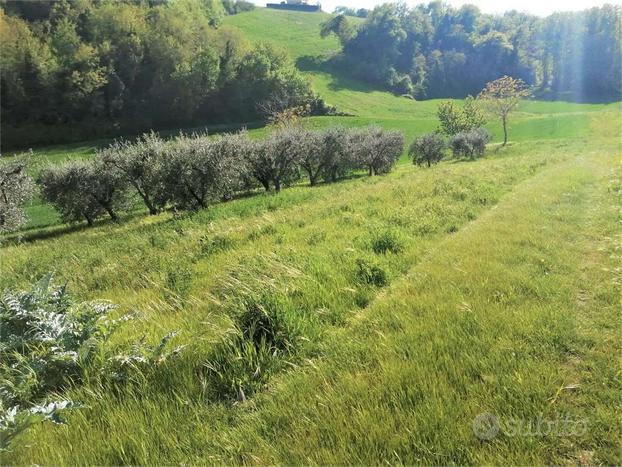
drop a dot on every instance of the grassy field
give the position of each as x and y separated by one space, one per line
500 291
409 304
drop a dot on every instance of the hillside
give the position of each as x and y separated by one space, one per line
392 319
298 33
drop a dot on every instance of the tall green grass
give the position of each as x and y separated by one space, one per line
291 264
368 321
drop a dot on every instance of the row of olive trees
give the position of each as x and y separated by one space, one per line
191 172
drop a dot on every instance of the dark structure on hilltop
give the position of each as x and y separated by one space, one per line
296 5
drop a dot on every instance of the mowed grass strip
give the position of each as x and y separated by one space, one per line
516 316
324 252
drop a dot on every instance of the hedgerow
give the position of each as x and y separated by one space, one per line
194 171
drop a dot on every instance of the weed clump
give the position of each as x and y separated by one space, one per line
46 343
370 274
386 242
265 335
216 244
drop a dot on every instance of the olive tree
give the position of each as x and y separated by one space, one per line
84 190
427 149
200 170
16 188
273 161
141 164
470 143
309 153
375 149
501 97
336 154
230 152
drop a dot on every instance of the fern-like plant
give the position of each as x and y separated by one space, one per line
46 343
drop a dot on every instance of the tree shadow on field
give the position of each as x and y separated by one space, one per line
36 233
334 66
33 234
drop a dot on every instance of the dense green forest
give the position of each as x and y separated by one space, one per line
101 67
435 50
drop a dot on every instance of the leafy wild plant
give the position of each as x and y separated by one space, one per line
47 344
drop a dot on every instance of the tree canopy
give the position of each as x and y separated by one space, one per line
104 67
435 50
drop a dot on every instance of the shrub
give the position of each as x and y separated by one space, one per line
336 155
141 164
470 143
454 120
16 187
479 137
273 161
376 149
80 189
427 149
233 7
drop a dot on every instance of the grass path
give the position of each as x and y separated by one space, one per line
498 320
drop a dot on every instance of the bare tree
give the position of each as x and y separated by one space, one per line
502 96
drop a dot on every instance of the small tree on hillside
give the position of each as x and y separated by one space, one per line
376 149
230 150
16 187
427 149
340 27
201 170
470 143
502 96
141 164
454 119
309 153
62 186
336 153
273 160
84 190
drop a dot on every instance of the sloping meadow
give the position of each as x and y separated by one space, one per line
251 286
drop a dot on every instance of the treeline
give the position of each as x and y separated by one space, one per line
191 172
76 69
435 50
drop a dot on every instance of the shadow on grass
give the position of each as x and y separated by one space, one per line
47 232
334 66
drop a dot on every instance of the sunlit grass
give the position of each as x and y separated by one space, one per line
407 304
413 357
